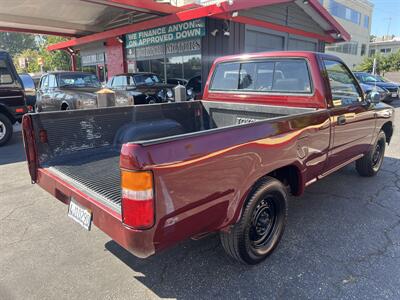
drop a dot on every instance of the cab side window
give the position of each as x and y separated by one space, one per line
343 85
44 83
52 81
5 74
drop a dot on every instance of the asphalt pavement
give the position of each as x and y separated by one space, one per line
342 241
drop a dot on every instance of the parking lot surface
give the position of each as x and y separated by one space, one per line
342 241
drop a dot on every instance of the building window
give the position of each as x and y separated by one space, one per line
363 49
372 52
347 48
366 22
386 50
344 12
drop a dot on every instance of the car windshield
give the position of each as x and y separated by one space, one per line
381 79
148 79
79 80
371 78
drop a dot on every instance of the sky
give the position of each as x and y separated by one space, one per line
384 10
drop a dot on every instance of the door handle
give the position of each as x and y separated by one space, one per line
341 120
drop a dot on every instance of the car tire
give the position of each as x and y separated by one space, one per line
6 129
370 164
261 225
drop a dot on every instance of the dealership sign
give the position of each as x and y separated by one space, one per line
175 32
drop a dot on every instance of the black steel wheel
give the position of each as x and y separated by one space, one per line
261 225
370 164
263 222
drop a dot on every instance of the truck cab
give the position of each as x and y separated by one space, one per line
12 98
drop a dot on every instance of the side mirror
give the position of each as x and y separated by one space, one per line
374 97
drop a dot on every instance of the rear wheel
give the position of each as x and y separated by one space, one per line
261 226
370 164
6 129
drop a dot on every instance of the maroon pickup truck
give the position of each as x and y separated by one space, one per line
151 176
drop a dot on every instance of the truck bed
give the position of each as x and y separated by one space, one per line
83 147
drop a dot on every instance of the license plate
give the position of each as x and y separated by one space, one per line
79 214
394 95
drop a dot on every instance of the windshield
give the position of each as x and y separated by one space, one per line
381 79
369 78
79 80
148 79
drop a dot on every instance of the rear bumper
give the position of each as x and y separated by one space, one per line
140 243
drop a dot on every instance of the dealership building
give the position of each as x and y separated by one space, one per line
174 40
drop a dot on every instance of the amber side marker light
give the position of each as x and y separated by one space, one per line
137 199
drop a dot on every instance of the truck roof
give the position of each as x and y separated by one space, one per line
258 55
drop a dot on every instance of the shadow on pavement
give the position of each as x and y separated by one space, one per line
13 151
336 239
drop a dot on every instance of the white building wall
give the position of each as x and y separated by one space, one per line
360 35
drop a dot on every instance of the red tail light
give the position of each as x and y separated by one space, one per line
29 144
137 199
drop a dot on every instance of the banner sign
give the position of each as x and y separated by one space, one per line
92 59
159 51
170 33
183 47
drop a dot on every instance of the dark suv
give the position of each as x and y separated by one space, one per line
12 98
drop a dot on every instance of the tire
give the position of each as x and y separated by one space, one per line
6 129
261 225
370 164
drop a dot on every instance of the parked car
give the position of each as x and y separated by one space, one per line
67 90
193 88
30 90
145 88
367 89
375 80
12 98
152 176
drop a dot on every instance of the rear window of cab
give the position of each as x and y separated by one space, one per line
270 76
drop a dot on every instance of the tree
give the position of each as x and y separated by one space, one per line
14 42
385 63
52 60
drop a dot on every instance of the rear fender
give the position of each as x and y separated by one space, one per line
252 185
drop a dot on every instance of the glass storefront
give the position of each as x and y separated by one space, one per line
177 58
94 63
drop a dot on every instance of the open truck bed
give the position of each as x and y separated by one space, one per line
83 147
152 176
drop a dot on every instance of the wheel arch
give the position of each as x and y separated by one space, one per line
387 128
64 105
290 175
6 112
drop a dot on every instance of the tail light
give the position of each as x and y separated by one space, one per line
137 199
30 149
